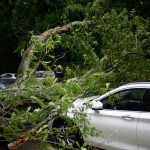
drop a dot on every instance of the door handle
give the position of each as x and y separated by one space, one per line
128 117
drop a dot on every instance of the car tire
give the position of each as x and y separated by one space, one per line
65 136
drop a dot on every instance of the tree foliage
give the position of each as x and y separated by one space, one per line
96 44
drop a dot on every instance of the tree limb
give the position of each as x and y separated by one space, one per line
26 59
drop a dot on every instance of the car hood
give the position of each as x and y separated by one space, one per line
81 101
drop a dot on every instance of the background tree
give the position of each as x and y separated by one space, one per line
21 19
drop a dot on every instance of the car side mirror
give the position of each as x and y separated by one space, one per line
97 105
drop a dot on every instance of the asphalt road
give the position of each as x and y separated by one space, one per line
30 145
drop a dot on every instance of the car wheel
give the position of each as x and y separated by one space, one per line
66 136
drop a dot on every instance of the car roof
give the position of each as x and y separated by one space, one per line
136 85
140 82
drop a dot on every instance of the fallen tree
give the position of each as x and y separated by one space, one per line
18 103
41 39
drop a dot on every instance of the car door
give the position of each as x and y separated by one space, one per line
143 129
117 121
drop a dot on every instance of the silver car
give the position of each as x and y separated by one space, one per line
7 79
123 117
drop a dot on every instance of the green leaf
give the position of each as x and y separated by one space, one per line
38 101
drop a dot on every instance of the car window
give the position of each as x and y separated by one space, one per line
146 101
124 100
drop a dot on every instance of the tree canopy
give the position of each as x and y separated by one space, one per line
21 19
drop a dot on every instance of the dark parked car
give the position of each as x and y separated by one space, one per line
7 79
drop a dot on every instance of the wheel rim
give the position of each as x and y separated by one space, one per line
64 134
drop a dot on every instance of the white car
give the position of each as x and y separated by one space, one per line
123 116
